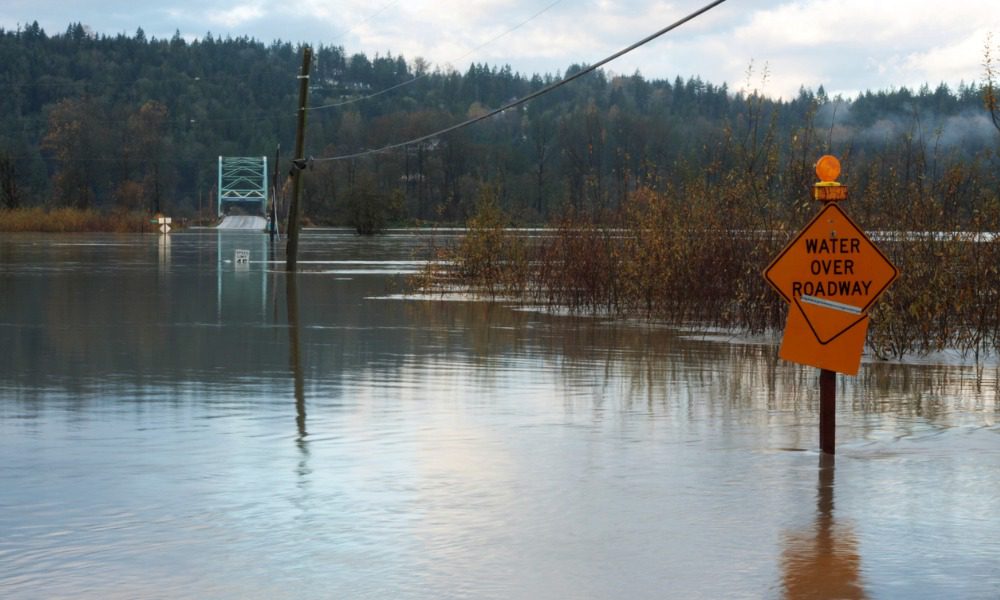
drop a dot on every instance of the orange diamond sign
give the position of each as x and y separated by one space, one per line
832 259
830 274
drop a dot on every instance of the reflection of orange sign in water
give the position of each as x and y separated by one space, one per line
830 274
823 561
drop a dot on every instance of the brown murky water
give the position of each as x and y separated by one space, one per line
175 425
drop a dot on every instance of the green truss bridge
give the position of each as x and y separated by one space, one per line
243 185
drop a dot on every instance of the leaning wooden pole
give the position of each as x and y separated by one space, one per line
298 164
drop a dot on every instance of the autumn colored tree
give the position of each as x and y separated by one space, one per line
76 138
148 143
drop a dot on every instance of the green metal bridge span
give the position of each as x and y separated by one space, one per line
243 182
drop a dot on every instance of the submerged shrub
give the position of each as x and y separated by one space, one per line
490 258
66 219
697 256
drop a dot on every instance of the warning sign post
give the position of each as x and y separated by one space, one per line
830 274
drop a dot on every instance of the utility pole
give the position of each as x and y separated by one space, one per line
298 164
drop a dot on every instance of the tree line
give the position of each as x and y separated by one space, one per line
136 123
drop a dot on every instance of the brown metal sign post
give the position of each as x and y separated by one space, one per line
827 411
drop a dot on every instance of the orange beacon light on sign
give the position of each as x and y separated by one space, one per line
828 189
828 168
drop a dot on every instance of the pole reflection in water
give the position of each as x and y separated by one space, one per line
823 561
295 359
272 259
163 247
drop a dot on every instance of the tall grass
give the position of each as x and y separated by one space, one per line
61 220
659 256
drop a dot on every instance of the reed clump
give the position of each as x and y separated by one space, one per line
948 294
695 256
659 256
62 220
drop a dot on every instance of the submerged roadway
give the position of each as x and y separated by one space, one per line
243 223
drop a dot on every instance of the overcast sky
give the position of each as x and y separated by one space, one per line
847 46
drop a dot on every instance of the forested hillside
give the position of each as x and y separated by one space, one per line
136 123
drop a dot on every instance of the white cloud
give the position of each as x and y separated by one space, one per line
949 62
236 16
837 23
842 45
858 44
565 33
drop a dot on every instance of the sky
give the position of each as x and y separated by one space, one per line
847 46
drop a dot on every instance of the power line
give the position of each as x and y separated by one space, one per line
531 96
425 74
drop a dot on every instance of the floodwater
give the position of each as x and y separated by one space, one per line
177 425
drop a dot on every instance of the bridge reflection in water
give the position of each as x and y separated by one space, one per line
245 288
242 287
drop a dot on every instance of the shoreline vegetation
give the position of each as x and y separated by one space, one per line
73 220
694 256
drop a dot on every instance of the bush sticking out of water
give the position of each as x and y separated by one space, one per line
658 257
696 257
61 220
948 293
489 259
